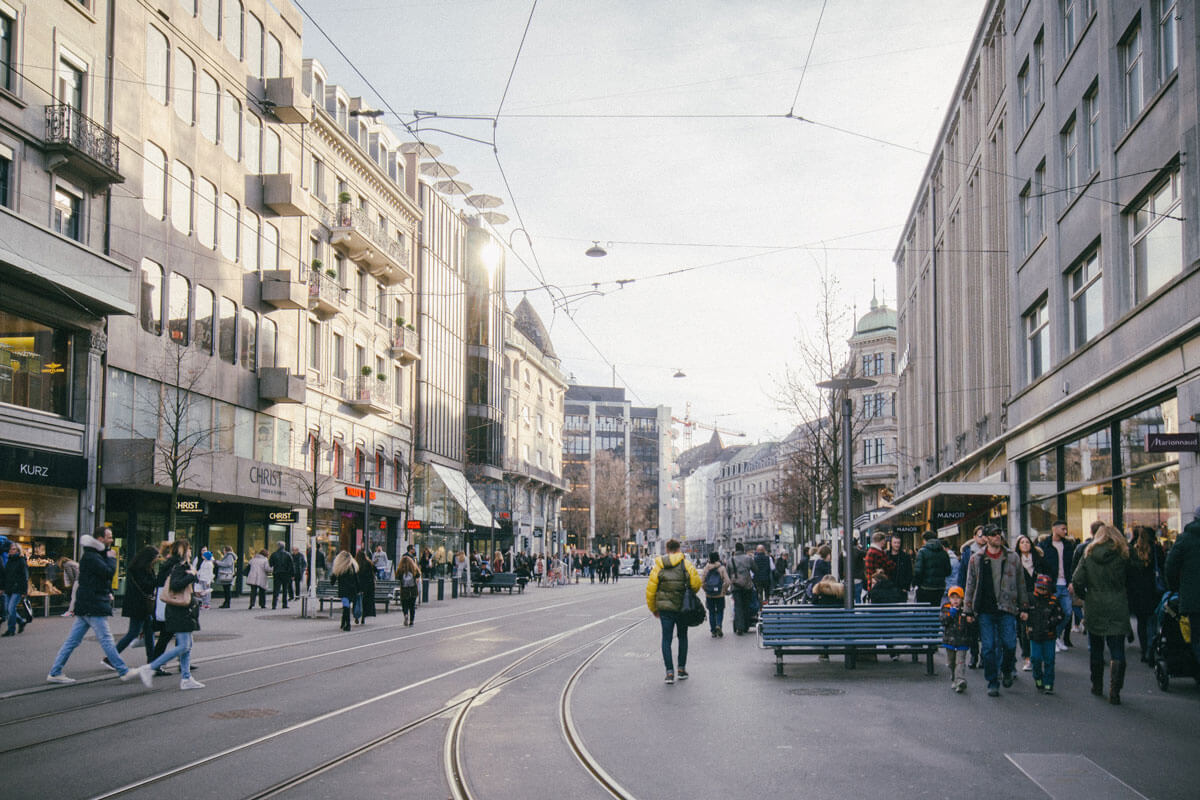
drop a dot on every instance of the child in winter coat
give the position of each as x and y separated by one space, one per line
957 635
1044 616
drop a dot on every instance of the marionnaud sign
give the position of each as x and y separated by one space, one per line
1172 442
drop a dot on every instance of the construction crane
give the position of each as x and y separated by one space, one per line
690 424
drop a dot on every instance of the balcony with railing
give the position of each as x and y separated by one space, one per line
90 149
364 241
324 294
368 393
523 469
405 346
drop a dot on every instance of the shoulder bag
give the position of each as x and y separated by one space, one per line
182 598
691 610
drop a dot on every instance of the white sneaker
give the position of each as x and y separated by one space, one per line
1059 647
190 683
146 674
59 679
1026 667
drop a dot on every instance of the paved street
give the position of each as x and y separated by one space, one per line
469 703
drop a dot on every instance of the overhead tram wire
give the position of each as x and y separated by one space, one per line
807 58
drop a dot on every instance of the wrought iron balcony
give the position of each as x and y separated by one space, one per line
368 393
90 149
404 345
324 294
363 241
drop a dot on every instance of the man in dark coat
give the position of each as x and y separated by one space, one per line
903 574
931 570
1058 559
281 569
93 605
299 564
763 574
1183 575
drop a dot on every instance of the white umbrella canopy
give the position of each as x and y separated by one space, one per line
426 149
452 187
484 201
495 217
436 169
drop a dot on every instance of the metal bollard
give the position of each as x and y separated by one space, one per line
441 589
454 589
425 590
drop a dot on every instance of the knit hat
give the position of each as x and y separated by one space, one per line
1044 584
954 591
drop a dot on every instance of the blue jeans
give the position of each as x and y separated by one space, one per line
671 624
137 627
11 601
357 612
997 645
1042 659
78 629
1063 594
182 650
716 612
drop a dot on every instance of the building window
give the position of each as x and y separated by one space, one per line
253 144
359 464
270 246
181 197
231 27
1070 151
179 300
154 181
1037 340
1071 24
156 64
249 354
70 83
210 16
397 474
874 451
204 319
206 214
254 45
151 297
337 460
183 93
8 26
1026 204
1131 65
272 153
318 179
227 331
339 357
207 99
314 345
273 68
1086 289
268 342
1091 112
1025 93
250 237
231 126
1157 238
65 216
1039 61
1168 38
228 224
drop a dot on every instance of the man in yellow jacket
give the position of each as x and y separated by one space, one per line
664 596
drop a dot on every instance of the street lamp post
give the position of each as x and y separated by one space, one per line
844 385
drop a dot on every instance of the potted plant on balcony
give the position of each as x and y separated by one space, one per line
409 327
399 322
331 272
343 197
365 371
381 377
317 264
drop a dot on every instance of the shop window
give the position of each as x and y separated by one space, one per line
1160 418
150 301
243 432
118 404
1156 240
35 364
1088 459
179 296
204 319
283 443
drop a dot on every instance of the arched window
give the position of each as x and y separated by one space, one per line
156 64
397 474
379 469
337 460
359 464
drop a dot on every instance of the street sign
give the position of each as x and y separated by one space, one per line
1172 442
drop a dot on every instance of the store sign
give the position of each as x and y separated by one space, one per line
189 505
949 516
357 491
1172 442
283 517
27 465
413 524
906 529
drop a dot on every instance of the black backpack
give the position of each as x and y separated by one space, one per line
712 582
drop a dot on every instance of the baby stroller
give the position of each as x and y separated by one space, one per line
1173 657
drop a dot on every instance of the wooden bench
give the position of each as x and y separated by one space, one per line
792 629
386 592
501 580
327 593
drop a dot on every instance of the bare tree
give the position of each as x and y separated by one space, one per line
612 497
812 473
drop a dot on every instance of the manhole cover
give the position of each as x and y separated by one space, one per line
816 692
245 713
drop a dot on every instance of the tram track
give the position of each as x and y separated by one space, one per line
498 680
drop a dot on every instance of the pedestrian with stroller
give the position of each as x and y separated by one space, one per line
1183 576
1100 581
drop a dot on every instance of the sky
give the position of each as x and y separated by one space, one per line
659 129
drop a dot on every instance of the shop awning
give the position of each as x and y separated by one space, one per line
969 492
465 495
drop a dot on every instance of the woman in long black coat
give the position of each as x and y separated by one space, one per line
344 576
1146 561
181 621
138 605
365 607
